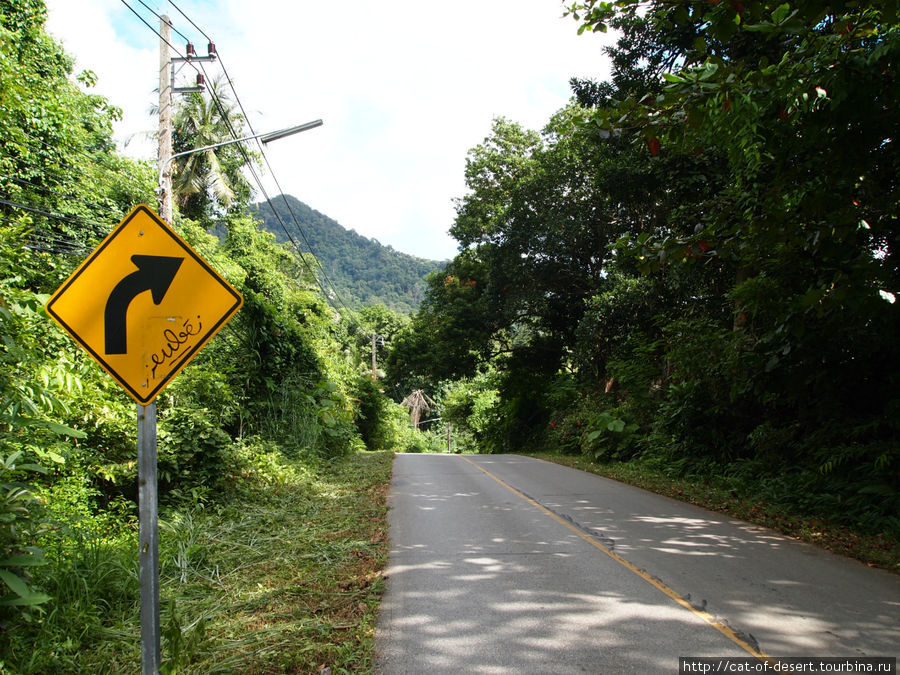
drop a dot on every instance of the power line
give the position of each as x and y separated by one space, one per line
39 188
54 148
69 243
47 214
46 170
281 191
247 160
237 99
144 21
220 106
39 241
208 39
159 35
45 190
215 97
59 217
153 12
31 152
216 100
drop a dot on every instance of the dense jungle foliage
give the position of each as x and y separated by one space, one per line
282 394
695 265
364 272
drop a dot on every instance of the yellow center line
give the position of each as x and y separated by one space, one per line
720 626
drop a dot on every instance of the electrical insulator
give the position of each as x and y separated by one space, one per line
190 50
201 80
211 49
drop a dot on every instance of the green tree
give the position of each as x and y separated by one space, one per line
57 169
778 90
449 336
209 181
275 382
469 405
539 231
377 324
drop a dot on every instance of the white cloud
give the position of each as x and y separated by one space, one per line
405 89
125 70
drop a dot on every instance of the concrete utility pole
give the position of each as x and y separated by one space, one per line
164 155
148 499
146 415
377 341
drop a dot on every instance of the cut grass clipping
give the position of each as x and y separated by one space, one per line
280 575
285 579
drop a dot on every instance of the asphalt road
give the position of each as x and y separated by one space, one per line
507 564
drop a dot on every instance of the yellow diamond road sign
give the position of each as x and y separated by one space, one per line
143 304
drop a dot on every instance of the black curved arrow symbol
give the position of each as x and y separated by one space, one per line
155 274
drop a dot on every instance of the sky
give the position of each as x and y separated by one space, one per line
405 89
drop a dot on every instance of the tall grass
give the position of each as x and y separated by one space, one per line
281 574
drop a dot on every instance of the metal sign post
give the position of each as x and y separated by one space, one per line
148 538
143 304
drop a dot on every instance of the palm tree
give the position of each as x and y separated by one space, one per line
418 402
207 182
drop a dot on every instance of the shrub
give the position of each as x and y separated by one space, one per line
470 407
370 412
413 440
192 450
608 436
201 386
19 524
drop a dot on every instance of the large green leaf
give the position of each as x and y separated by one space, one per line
23 560
50 425
17 585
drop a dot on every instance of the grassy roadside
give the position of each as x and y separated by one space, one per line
286 578
874 550
281 574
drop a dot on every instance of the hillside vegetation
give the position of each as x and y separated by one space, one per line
364 271
265 439
689 275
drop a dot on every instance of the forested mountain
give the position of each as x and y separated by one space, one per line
364 271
